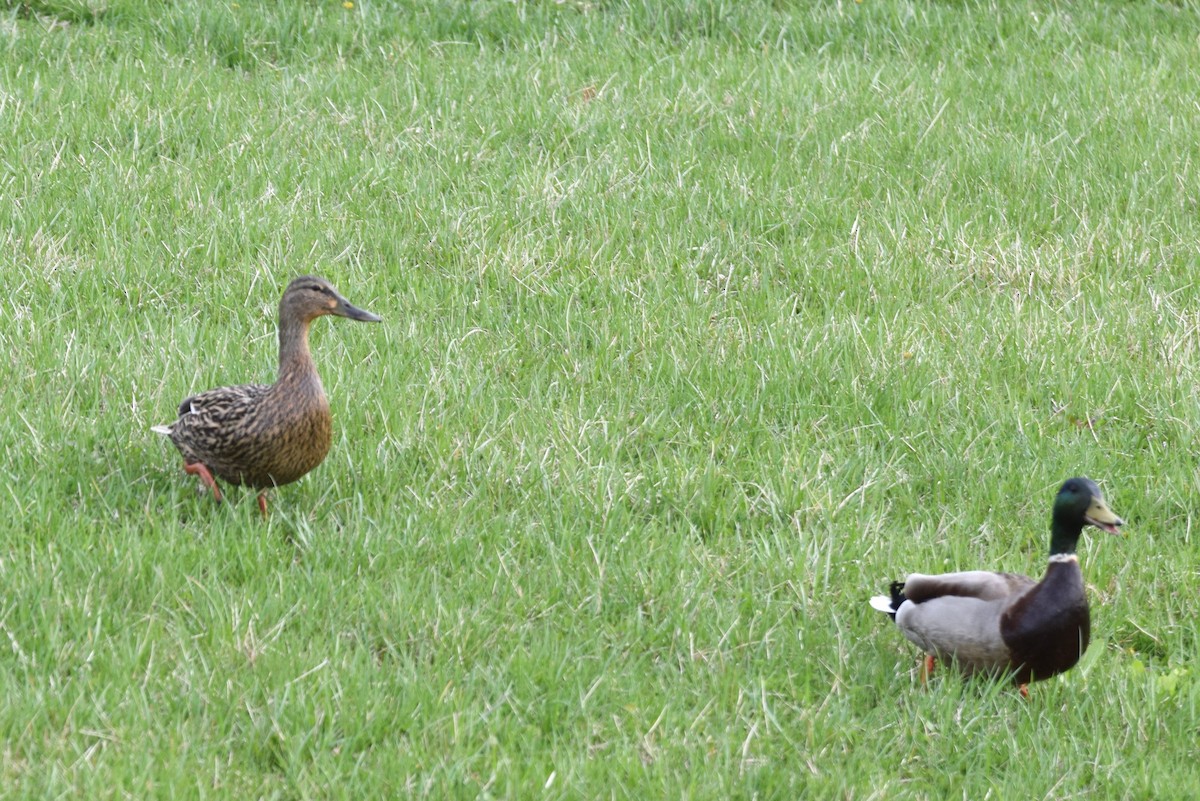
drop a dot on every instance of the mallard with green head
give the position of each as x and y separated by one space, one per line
1002 623
264 436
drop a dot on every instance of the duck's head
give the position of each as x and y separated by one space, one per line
309 297
1080 503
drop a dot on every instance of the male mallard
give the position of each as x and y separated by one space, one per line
1004 622
266 436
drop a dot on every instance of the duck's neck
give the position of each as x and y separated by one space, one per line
295 361
1064 536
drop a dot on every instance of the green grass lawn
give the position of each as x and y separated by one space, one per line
703 320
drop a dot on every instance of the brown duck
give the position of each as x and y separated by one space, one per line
266 436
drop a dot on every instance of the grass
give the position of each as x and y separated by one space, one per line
703 320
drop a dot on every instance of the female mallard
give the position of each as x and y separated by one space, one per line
1003 622
266 436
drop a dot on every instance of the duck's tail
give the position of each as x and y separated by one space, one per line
164 430
889 605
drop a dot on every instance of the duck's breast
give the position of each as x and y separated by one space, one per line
290 444
1049 628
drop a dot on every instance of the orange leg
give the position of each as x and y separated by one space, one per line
927 667
1024 688
198 469
262 504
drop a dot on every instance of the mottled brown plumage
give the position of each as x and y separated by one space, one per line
266 436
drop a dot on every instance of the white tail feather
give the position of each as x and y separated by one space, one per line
164 430
882 603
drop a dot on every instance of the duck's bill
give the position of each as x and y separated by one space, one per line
354 313
1100 516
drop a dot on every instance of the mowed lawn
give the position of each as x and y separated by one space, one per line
703 320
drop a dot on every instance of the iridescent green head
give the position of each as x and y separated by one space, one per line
1079 503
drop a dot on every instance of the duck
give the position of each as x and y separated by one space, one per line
1006 623
259 435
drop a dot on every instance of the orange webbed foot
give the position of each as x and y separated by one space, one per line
927 665
206 477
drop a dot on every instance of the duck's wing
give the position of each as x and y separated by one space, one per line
216 407
213 422
980 584
957 615
220 407
983 585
